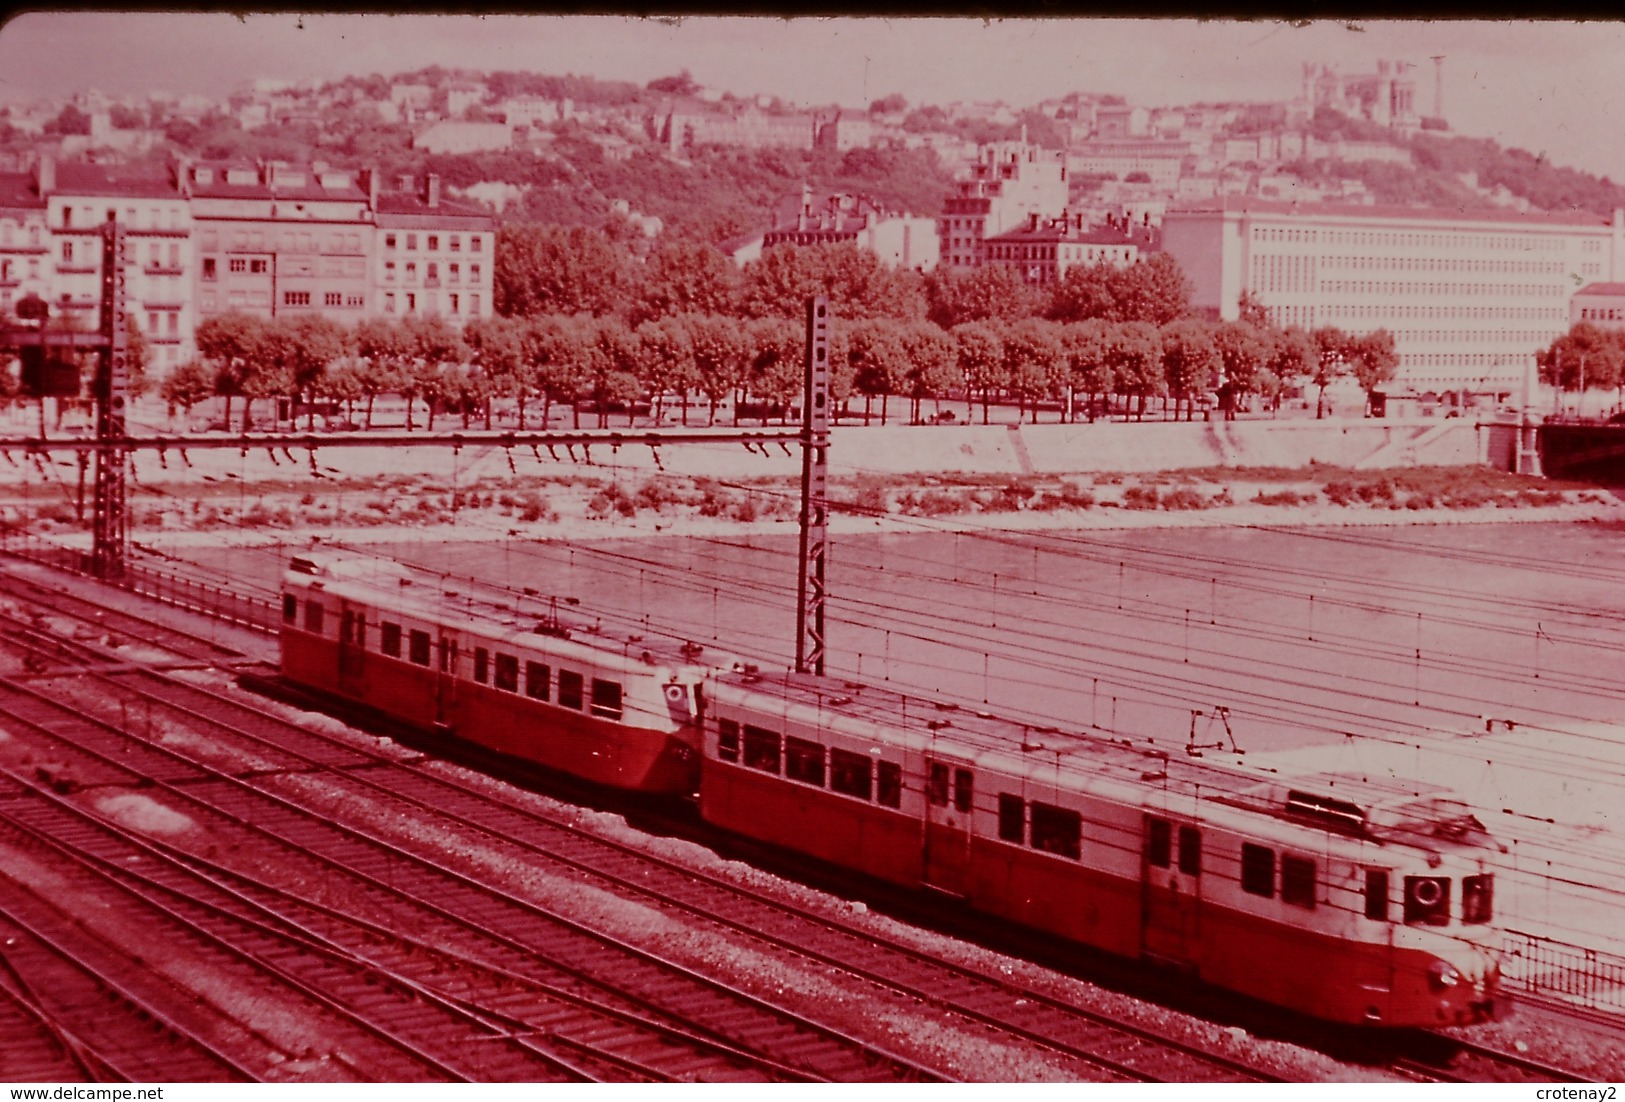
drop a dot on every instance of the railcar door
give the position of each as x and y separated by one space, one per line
445 682
1170 890
352 650
949 798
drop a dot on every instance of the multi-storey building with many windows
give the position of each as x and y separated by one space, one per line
277 239
1008 183
26 266
79 199
433 256
1468 296
1043 249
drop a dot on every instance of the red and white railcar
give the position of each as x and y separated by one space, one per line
476 665
1352 899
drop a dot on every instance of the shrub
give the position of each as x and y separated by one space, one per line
1183 497
1282 497
1141 497
1339 492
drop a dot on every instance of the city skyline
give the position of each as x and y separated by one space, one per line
1547 87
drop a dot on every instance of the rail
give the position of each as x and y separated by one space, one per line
167 587
1555 969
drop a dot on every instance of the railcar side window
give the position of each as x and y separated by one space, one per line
727 740
358 629
538 679
850 774
1057 830
482 664
1476 898
1376 894
1190 851
889 784
606 698
1159 843
448 656
1427 900
313 616
804 761
761 749
290 608
1298 881
936 785
389 639
1012 818
962 789
417 647
570 684
507 673
1257 870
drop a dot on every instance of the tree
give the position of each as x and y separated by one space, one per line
858 284
1331 360
666 361
979 352
1584 358
721 351
889 105
557 270
559 354
1190 362
680 85
186 386
1244 349
1293 355
1134 352
614 367
431 347
1035 363
385 349
1374 359
1087 346
301 348
776 361
1252 311
933 366
496 348
992 291
70 120
1154 289
686 278
233 342
879 361
137 358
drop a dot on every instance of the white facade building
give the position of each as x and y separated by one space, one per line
1469 297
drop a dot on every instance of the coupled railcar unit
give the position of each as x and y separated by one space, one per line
471 664
1351 899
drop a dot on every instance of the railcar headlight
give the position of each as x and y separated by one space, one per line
1442 976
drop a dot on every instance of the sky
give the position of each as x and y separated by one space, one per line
1548 87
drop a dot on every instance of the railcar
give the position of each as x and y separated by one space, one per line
1353 899
496 669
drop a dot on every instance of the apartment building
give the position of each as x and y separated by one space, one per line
432 256
26 259
1007 184
1600 304
277 239
79 200
1044 249
1468 296
899 240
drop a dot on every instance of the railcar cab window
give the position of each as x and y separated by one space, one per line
1477 894
1427 901
850 774
761 749
570 689
606 698
1298 881
1258 870
804 761
1057 830
507 673
1159 843
389 639
727 740
1190 851
962 789
888 784
313 616
290 608
482 664
1012 818
538 680
417 647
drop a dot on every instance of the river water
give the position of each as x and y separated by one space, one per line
1488 657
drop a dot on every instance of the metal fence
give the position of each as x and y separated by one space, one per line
164 585
1543 966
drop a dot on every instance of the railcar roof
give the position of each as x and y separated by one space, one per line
1399 809
386 584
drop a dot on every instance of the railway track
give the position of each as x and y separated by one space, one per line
359 876
1095 1045
1471 1062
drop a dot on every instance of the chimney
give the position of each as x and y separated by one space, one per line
432 192
1032 221
372 188
47 174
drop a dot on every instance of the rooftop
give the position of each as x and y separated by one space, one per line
1248 205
